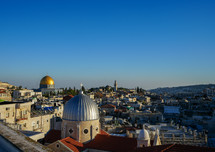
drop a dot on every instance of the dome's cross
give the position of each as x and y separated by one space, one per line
81 91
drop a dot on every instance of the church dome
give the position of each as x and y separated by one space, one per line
80 108
144 135
47 80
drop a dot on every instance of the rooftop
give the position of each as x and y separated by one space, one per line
20 141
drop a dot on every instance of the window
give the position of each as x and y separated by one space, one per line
85 131
7 108
25 112
7 115
33 124
71 131
37 124
97 129
57 145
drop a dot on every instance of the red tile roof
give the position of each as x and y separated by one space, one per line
102 132
106 142
72 144
68 97
152 148
130 128
52 136
112 143
108 106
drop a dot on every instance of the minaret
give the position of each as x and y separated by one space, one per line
115 86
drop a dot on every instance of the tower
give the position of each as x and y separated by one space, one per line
115 86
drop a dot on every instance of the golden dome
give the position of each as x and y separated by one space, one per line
47 80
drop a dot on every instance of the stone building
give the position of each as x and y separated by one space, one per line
20 116
25 94
47 86
5 95
80 131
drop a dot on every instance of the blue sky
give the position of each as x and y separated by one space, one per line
138 43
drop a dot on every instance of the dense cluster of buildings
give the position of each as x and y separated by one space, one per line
105 119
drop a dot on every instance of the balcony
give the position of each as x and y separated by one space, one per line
21 118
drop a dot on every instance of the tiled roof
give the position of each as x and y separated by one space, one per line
113 143
106 142
108 106
130 128
68 97
52 136
153 148
72 144
103 132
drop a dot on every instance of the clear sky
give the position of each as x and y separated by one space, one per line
153 43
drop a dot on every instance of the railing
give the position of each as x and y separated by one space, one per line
14 126
186 141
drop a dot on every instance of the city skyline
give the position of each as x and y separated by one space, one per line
146 44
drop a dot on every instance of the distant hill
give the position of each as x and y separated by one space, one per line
6 85
183 89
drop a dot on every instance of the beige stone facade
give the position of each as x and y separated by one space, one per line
25 94
82 131
20 114
59 147
5 94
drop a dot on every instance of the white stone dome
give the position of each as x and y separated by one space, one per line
80 108
144 135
